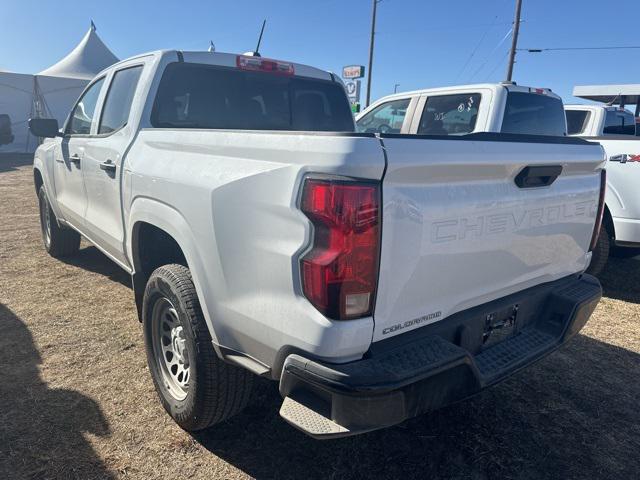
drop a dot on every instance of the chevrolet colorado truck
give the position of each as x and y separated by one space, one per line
374 276
615 129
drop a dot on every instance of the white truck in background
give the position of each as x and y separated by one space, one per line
460 110
615 129
374 276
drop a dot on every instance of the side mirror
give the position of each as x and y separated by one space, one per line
44 127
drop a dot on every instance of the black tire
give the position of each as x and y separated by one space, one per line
600 254
214 390
58 241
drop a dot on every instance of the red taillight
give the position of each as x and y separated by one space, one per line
600 212
259 64
340 272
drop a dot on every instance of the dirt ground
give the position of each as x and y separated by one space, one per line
78 402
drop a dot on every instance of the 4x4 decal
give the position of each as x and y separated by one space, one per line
625 158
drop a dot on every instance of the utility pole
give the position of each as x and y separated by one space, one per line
395 88
514 40
372 41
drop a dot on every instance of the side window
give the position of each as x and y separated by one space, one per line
82 114
577 121
450 114
385 118
117 105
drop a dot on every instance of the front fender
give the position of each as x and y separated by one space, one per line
43 162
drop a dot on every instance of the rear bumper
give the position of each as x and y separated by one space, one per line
432 366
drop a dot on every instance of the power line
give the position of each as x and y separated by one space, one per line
497 65
538 50
490 56
476 47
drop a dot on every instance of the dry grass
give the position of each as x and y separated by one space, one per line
77 401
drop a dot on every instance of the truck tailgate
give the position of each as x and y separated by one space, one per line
458 232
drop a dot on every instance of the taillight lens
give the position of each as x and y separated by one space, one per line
600 212
340 272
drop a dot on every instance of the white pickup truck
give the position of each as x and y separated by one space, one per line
375 277
460 110
615 129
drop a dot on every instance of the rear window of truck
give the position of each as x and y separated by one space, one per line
194 95
577 121
534 114
619 123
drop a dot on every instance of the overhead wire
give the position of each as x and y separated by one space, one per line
484 35
491 53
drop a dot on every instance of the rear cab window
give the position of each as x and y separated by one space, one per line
619 122
577 121
450 114
534 114
385 118
193 95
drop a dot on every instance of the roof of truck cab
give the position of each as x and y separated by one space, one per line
475 86
228 60
579 106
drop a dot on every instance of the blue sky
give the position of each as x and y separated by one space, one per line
420 43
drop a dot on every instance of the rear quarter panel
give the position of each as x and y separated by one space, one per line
231 200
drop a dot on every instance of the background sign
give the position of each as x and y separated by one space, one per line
353 93
353 90
353 71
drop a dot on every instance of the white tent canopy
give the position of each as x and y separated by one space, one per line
89 57
48 94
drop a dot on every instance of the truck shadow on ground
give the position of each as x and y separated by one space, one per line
621 279
573 415
93 260
42 429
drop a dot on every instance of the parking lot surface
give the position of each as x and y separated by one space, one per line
78 401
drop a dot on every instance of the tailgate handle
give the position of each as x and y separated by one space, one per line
540 176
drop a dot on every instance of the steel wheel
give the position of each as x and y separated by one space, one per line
45 221
170 348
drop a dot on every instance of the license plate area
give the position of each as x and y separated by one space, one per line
500 325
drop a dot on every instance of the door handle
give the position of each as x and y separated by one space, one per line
538 176
75 158
108 167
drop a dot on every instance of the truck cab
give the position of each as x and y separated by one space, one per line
600 121
460 110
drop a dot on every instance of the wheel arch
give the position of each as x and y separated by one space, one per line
607 222
158 234
38 180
